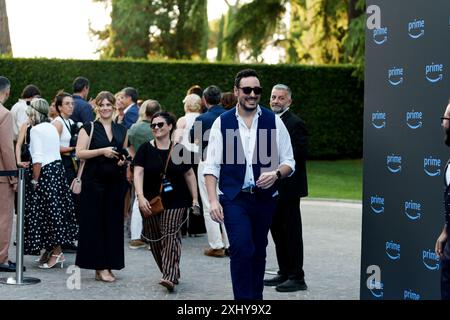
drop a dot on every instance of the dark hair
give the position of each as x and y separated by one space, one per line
79 84
169 117
195 89
30 91
131 92
59 99
228 100
4 83
244 74
212 95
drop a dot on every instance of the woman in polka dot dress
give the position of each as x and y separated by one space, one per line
49 210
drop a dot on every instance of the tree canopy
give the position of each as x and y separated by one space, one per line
174 29
316 31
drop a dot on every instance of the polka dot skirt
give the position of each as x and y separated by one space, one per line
49 211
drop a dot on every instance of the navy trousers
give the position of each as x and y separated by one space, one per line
247 220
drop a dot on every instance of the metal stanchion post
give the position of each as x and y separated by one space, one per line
20 279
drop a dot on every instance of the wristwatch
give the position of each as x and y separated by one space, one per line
279 174
34 182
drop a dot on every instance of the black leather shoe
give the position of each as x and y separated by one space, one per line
278 279
292 285
9 267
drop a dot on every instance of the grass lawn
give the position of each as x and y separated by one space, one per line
341 179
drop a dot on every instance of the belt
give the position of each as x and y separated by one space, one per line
251 190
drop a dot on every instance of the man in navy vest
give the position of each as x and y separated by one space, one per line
442 247
249 150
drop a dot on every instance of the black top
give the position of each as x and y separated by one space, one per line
100 168
153 161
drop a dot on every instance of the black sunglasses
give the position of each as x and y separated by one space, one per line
159 125
248 90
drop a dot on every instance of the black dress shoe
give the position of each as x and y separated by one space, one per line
278 279
9 267
292 285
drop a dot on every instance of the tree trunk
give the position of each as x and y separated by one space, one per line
5 41
352 11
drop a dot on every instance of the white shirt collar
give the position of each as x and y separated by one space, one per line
284 111
127 108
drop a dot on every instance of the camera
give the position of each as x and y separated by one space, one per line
73 140
123 153
167 186
74 130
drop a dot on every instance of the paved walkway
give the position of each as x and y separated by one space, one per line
332 240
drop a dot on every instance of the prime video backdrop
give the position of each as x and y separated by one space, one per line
407 87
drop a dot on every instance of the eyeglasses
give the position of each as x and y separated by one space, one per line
159 125
444 118
248 90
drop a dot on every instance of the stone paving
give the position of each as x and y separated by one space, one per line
332 241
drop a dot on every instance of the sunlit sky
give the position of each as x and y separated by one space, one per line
60 28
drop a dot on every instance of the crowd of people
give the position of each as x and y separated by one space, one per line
164 177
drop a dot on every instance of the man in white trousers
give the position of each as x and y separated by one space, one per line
217 236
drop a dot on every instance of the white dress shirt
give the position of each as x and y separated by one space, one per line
44 144
248 139
128 108
19 114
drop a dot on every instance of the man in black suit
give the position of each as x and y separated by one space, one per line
286 225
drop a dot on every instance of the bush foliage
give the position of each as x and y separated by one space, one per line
328 98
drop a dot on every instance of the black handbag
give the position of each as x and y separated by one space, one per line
25 155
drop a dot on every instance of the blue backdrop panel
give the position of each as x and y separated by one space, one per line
406 90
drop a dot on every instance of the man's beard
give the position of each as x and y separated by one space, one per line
244 107
447 136
278 109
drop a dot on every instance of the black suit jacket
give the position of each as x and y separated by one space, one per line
297 184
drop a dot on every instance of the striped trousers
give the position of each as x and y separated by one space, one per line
164 235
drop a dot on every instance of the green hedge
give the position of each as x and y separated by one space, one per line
328 98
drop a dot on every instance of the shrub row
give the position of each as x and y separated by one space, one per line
328 98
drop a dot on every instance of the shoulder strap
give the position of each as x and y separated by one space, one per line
168 158
68 128
80 170
167 164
